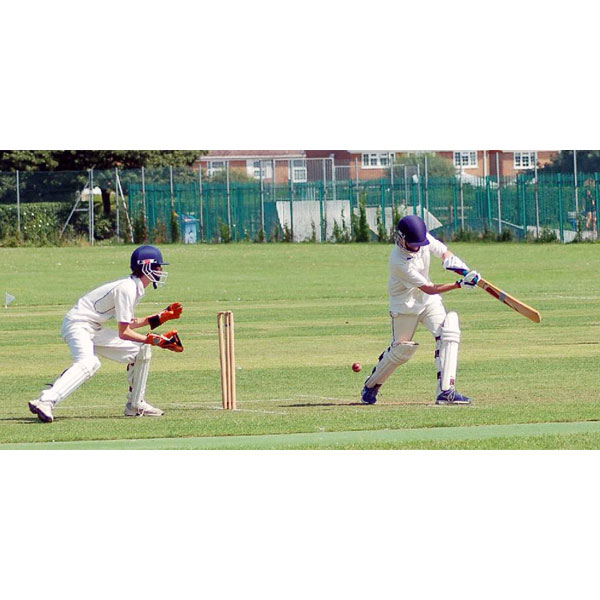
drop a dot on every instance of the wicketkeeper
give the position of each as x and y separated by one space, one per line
415 299
83 330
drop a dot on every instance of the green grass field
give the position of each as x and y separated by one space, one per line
304 313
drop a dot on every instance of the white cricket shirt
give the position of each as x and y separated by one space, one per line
409 271
116 299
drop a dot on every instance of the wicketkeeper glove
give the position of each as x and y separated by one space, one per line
173 311
470 280
168 341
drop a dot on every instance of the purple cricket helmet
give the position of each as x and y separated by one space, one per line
412 231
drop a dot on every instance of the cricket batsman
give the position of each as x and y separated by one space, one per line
84 332
415 299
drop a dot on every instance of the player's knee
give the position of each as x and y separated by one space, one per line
89 365
450 331
401 352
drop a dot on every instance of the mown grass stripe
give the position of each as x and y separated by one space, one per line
316 440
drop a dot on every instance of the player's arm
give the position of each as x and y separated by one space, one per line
439 288
126 331
469 281
169 341
173 311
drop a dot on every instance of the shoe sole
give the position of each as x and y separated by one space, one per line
454 403
44 418
144 415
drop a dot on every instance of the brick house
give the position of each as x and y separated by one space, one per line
511 162
249 163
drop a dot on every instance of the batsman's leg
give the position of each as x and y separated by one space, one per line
400 351
446 330
86 363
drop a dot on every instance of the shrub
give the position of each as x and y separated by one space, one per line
175 228
224 233
362 232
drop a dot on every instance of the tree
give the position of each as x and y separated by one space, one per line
588 161
80 160
437 166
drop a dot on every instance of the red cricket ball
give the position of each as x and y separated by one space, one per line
356 367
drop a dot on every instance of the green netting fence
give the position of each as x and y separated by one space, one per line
165 205
248 211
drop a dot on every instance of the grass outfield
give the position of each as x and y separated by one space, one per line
304 314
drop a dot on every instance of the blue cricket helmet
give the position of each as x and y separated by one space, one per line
412 230
144 260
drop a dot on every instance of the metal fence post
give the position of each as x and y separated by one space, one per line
523 204
462 198
426 186
357 182
333 176
382 191
144 204
405 187
576 187
117 202
262 200
201 202
499 194
324 215
419 194
229 196
560 209
392 188
291 193
596 216
91 208
537 203
18 204
488 195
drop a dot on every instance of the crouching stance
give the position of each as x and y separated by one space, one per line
83 330
415 299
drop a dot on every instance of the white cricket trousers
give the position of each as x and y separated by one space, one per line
404 326
85 342
402 348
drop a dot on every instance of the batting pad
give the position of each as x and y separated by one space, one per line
447 354
77 374
137 372
396 355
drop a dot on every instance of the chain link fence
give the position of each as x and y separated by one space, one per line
289 200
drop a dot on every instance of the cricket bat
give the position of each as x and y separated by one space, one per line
509 300
503 296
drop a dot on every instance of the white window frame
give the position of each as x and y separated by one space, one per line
299 171
531 159
467 157
377 160
253 168
215 166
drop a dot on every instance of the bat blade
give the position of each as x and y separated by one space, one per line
522 308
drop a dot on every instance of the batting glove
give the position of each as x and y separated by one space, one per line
470 280
168 341
173 311
453 263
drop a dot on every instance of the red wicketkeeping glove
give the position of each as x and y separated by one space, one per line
168 341
173 311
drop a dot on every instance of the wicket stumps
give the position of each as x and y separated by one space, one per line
226 328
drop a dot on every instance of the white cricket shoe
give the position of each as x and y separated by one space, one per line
43 409
143 409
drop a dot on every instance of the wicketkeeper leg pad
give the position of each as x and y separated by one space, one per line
397 354
137 373
77 374
446 353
